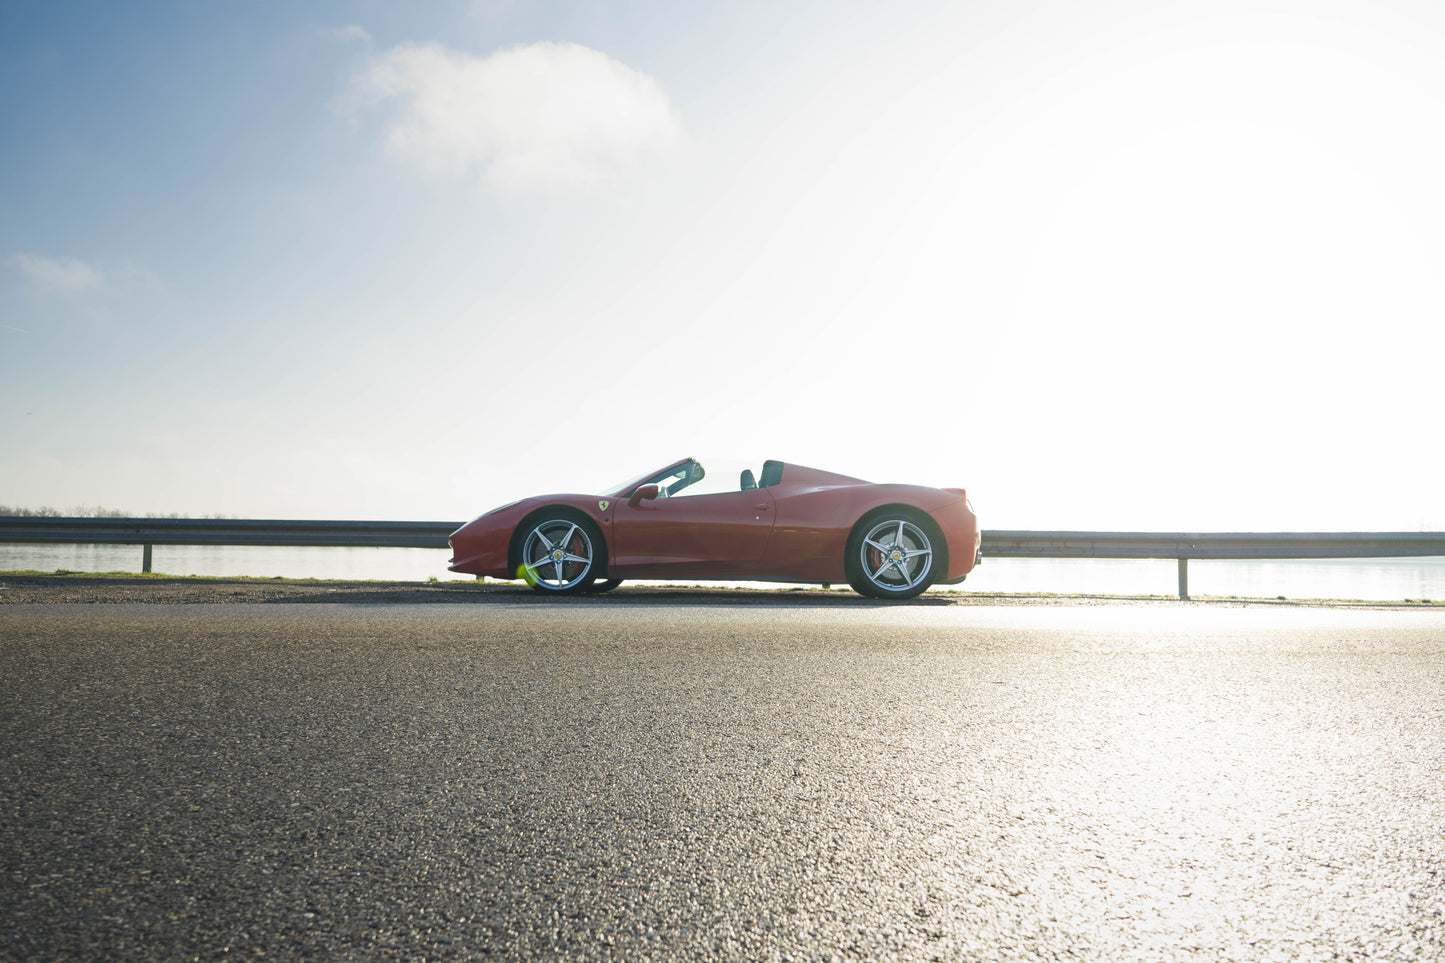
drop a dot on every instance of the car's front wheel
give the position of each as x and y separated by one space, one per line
560 554
894 554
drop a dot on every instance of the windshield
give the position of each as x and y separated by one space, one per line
713 476
626 487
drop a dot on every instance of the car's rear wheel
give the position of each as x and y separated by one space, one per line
607 586
894 554
560 553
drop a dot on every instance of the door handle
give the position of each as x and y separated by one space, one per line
761 508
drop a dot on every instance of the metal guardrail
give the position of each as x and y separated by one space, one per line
1212 545
224 531
1182 546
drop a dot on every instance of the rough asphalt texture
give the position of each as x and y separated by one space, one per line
722 778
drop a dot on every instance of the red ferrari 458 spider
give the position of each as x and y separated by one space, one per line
786 524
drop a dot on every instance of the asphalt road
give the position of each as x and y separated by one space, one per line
739 781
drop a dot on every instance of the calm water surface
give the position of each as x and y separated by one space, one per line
1372 579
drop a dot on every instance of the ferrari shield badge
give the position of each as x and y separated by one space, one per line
602 506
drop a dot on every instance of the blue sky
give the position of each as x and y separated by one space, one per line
1114 265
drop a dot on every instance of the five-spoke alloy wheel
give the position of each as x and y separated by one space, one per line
893 554
560 553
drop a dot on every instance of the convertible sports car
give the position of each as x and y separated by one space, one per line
786 524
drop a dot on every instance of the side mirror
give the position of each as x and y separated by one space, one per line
645 493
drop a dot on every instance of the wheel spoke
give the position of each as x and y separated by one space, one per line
887 564
926 553
543 539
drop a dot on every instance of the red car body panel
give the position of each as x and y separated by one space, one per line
796 530
703 536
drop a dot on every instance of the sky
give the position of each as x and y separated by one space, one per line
1129 265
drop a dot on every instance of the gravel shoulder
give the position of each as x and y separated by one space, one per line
32 588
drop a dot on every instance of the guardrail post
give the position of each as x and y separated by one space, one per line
1184 579
145 559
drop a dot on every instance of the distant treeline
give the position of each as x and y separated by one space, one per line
84 511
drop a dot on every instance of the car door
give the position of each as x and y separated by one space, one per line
695 536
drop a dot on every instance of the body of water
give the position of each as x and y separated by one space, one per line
1371 579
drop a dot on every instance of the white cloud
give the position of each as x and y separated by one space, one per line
57 276
543 118
351 33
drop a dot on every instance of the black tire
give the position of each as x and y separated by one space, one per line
599 587
560 552
894 553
